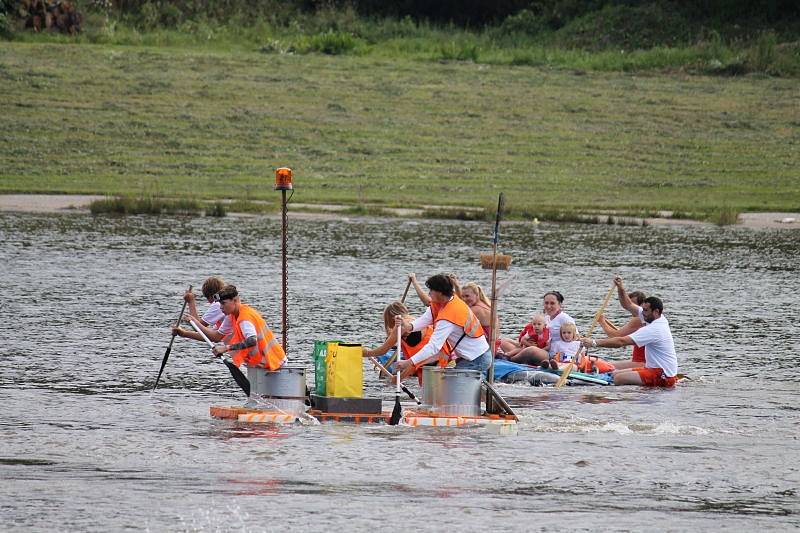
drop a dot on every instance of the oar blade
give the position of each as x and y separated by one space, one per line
238 377
397 412
564 375
163 364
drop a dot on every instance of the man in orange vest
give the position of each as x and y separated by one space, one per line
454 323
244 334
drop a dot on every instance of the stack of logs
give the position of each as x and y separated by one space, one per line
53 16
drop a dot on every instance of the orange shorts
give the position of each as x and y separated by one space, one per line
654 377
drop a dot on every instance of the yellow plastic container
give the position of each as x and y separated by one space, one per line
344 377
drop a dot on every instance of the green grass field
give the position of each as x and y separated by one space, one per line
207 124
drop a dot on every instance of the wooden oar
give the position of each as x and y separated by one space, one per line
493 318
402 300
388 374
490 390
237 374
169 348
571 365
405 292
397 412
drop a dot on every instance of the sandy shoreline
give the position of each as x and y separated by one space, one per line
59 203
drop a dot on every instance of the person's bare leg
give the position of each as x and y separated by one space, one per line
532 355
627 377
621 365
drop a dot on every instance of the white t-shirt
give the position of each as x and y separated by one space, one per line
555 327
567 349
213 314
659 348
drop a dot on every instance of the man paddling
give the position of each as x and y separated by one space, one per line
661 361
454 322
243 333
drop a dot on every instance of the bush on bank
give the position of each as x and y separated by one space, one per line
719 37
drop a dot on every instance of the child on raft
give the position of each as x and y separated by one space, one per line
563 350
411 343
534 333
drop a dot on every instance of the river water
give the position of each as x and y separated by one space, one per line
86 445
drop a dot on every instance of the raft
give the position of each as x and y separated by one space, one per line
412 418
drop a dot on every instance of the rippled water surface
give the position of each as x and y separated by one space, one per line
86 446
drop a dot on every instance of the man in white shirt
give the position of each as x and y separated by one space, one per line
661 361
455 323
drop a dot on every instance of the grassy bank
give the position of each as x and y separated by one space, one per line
209 124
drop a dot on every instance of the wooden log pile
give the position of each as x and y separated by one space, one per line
57 16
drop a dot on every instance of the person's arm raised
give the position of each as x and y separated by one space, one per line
424 298
624 300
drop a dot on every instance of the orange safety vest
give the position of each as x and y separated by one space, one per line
457 312
409 351
267 352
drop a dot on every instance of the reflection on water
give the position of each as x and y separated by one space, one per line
88 301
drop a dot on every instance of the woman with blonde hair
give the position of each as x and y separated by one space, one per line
476 299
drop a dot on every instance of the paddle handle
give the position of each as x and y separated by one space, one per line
596 319
399 341
566 372
178 322
405 292
202 334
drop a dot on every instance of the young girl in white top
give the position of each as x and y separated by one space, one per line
564 348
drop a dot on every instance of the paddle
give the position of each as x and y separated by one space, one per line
388 374
402 300
571 365
405 292
490 390
169 348
493 319
237 374
397 412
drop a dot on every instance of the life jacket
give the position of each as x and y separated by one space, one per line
601 365
410 350
540 340
638 354
457 312
266 353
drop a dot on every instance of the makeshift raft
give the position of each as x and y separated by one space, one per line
411 418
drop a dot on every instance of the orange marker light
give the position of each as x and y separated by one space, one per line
283 179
